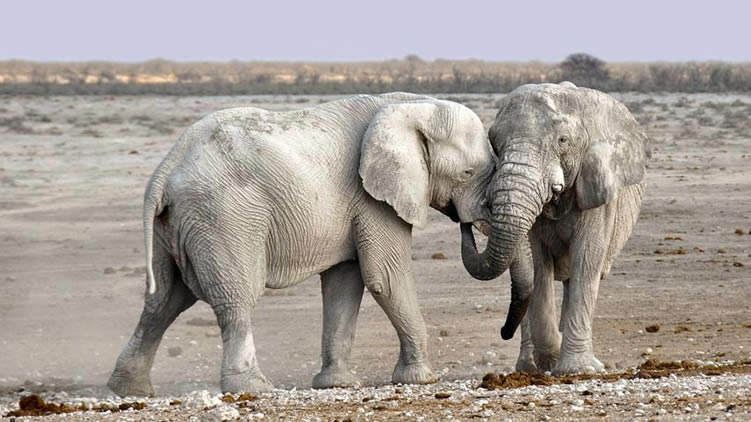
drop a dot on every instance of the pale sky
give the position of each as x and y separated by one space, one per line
341 30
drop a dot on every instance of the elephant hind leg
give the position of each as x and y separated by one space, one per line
131 376
231 278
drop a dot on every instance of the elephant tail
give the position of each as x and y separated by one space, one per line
154 202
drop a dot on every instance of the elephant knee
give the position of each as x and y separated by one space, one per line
376 287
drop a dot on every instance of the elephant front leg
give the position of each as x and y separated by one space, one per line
577 354
399 302
526 360
342 289
386 273
546 337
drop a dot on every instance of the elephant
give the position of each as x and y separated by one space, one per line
249 199
564 199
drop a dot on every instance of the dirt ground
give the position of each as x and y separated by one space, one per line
72 173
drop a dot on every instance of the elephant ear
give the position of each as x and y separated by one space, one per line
394 159
617 152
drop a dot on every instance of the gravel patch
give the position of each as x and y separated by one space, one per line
697 397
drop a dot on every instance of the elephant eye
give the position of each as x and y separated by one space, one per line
563 140
468 173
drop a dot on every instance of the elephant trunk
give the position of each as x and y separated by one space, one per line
522 283
518 197
514 212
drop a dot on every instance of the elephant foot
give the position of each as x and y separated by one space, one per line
546 361
333 377
526 364
415 373
246 382
125 385
580 363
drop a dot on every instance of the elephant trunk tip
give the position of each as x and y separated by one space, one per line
507 332
516 313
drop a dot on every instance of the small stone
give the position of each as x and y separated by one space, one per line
220 414
737 264
439 255
652 328
442 396
200 400
531 405
739 232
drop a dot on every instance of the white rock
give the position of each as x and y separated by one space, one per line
220 414
200 399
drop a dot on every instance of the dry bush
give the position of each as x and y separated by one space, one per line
162 77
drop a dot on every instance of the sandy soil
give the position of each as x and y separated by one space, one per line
72 172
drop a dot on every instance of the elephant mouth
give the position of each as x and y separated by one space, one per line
450 211
483 226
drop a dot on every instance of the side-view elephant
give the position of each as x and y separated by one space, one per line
248 199
565 197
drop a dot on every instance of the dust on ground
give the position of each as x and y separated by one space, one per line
72 173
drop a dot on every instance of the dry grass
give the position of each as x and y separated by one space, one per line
410 74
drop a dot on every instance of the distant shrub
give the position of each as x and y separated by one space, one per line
584 70
411 74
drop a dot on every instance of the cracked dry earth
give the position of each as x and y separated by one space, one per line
72 172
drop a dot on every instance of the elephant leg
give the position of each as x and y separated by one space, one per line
232 279
588 252
402 309
526 360
542 312
564 303
385 261
522 273
131 376
342 289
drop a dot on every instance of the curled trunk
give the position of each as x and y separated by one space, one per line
517 201
514 212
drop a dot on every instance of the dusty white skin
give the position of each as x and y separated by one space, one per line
565 198
248 199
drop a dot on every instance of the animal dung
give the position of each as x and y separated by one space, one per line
652 328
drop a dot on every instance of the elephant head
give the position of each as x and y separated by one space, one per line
424 153
558 147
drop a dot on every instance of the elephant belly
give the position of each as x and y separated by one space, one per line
295 252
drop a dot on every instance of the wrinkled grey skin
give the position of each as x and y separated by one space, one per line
249 199
564 200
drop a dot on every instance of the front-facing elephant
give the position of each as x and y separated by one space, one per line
565 197
248 199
